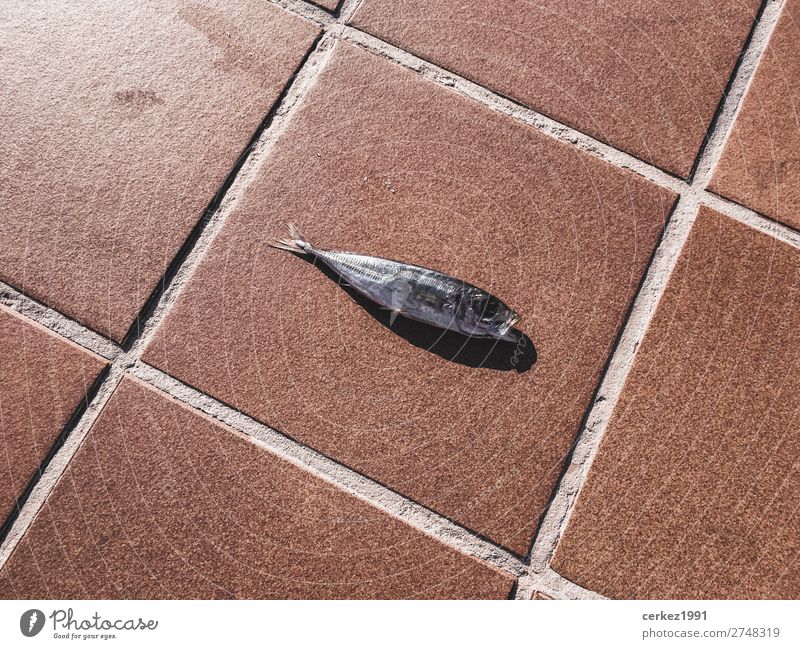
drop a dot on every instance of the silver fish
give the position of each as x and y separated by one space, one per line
415 292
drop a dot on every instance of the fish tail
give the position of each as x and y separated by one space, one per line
296 242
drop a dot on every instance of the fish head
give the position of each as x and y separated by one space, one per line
487 316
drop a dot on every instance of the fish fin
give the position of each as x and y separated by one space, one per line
294 233
296 242
286 244
393 316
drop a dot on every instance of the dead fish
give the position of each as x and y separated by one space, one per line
415 292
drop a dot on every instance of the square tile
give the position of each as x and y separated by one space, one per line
380 161
645 77
330 5
694 492
120 122
760 166
44 380
163 502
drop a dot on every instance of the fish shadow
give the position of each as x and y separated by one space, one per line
450 345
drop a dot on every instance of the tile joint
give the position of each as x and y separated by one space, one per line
550 583
57 323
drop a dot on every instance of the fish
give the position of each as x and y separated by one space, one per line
418 293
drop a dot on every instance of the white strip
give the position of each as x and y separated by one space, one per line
308 11
539 576
347 9
713 148
61 459
753 219
554 586
57 323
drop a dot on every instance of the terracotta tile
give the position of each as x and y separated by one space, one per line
44 380
421 174
645 77
162 502
119 124
760 166
695 490
330 5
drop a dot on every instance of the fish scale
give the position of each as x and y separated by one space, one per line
418 293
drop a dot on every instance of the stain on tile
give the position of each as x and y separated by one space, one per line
760 166
163 502
694 492
421 174
120 123
645 77
44 381
138 100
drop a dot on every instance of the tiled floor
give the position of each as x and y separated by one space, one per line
161 501
705 431
261 433
348 385
45 380
761 164
644 76
119 130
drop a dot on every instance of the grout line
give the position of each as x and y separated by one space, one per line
755 220
317 14
155 310
664 260
66 431
731 103
307 10
346 479
194 250
511 108
342 477
554 585
56 467
57 322
494 101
